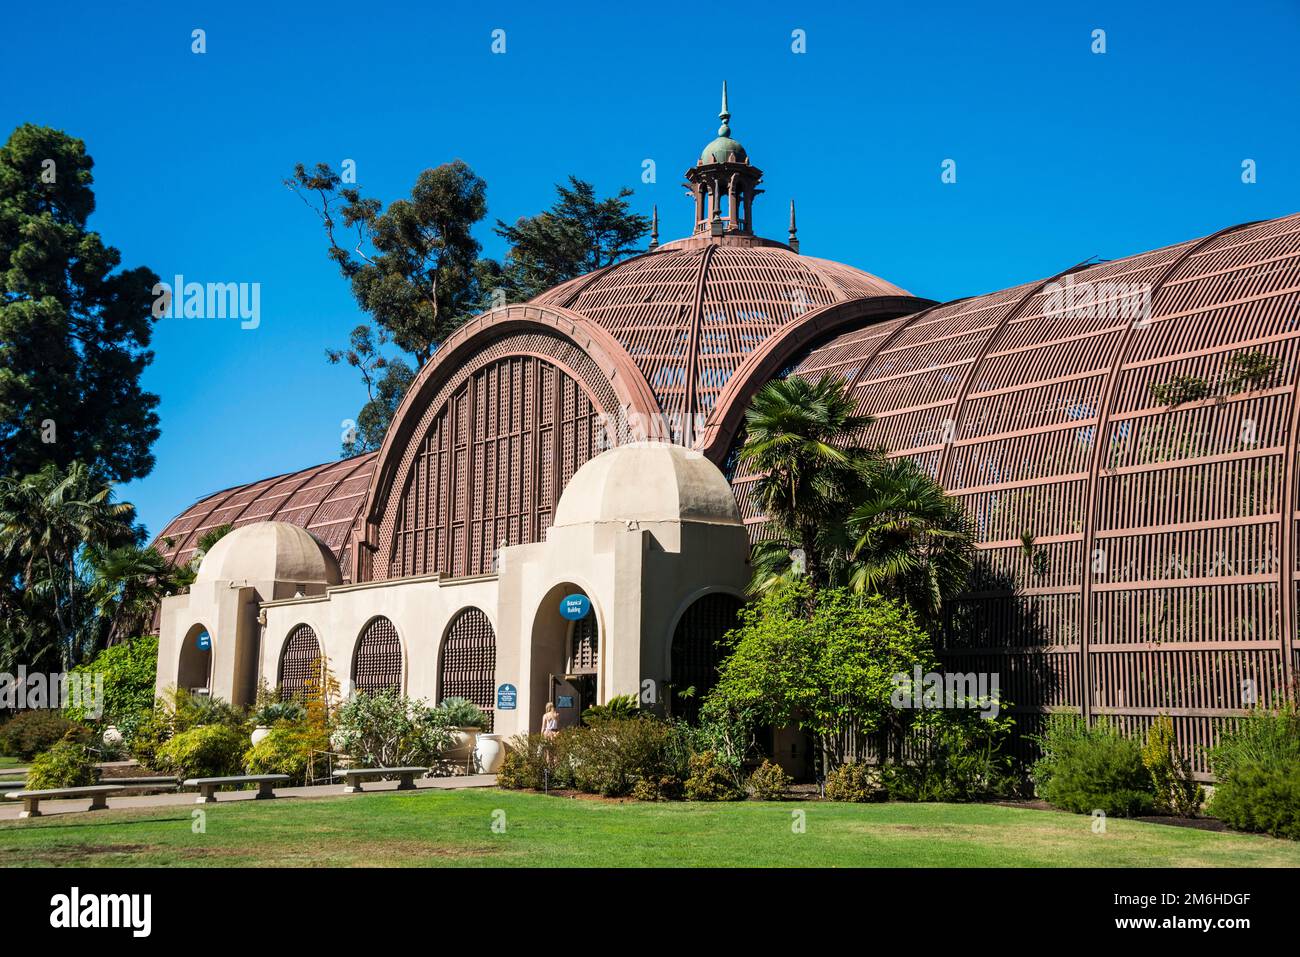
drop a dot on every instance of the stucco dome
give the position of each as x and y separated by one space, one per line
270 551
648 482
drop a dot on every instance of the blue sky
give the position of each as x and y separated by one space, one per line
1061 154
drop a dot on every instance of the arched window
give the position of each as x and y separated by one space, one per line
377 663
696 654
585 648
469 661
299 662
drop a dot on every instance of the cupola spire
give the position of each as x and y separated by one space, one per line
724 183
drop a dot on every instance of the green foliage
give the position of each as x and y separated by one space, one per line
28 733
1171 773
65 765
729 733
287 749
955 755
203 751
769 782
389 730
824 670
463 713
611 756
386 381
711 781
1257 766
617 708
177 711
75 328
272 712
128 670
1261 797
537 762
577 235
1243 371
1180 389
856 783
1085 769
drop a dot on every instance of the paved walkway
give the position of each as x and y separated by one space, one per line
9 809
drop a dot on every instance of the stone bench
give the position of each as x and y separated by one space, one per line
208 787
352 777
98 794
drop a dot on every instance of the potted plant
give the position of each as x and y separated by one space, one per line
268 714
468 720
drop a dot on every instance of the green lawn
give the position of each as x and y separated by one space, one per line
454 828
8 762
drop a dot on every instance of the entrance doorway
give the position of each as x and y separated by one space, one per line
565 655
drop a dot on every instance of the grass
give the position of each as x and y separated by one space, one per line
9 762
440 828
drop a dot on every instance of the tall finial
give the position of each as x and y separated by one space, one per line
794 232
654 227
725 115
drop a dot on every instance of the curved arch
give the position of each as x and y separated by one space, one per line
300 658
549 643
693 650
194 664
467 660
378 658
777 351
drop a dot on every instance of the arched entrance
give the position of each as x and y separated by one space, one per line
194 670
565 657
467 666
696 653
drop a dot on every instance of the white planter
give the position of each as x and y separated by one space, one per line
491 753
462 744
259 733
112 735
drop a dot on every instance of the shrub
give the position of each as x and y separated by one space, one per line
1171 773
617 708
1257 765
128 671
286 750
150 733
390 730
710 781
1085 769
538 762
666 788
65 765
954 755
209 750
857 783
769 782
463 713
28 733
610 757
275 711
1261 797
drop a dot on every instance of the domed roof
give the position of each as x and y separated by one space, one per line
270 551
648 482
723 150
703 304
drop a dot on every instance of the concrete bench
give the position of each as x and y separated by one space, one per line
98 794
208 787
352 777
162 781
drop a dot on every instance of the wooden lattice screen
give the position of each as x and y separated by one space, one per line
377 664
298 661
696 654
469 661
586 645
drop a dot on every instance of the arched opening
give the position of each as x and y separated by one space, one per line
194 670
299 661
696 653
565 656
377 661
468 662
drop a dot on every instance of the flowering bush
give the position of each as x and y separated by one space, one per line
390 730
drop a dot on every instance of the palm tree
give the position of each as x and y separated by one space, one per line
800 436
46 520
910 539
128 582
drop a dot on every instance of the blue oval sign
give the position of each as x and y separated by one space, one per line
574 607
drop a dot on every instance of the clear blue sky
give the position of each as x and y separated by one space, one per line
1061 154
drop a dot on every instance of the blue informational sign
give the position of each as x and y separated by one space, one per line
506 696
564 701
574 607
205 641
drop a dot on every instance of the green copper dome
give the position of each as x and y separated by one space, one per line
720 150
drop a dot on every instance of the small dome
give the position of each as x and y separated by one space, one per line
270 551
721 150
648 482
